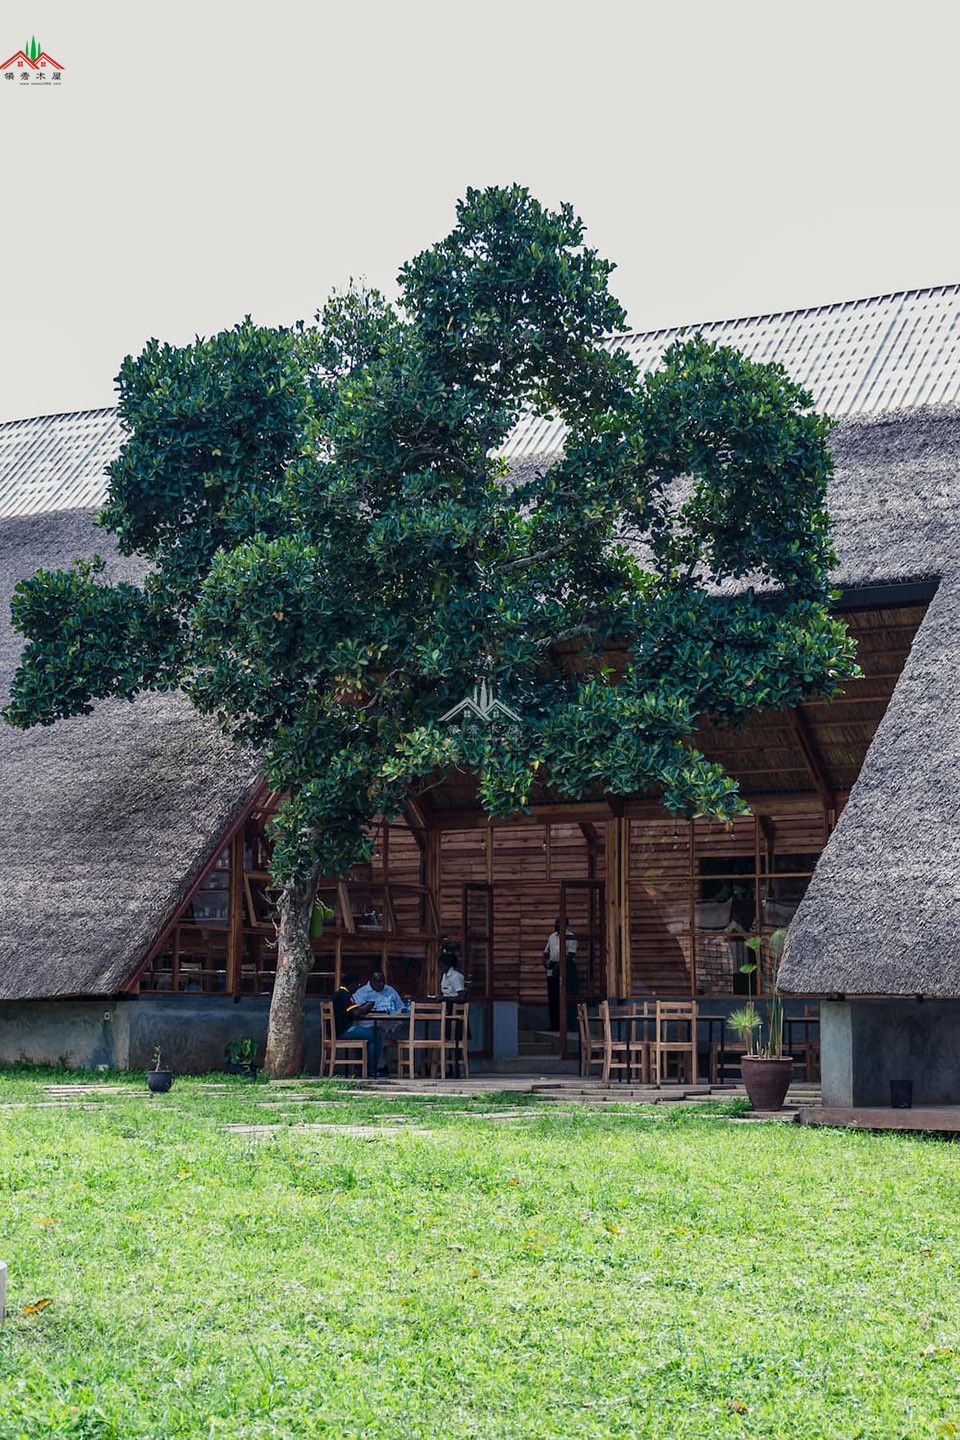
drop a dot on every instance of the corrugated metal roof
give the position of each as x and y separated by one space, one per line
56 462
859 357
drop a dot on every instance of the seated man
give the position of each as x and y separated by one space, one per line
378 995
348 1023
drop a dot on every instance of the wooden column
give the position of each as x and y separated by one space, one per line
617 901
235 934
757 905
692 834
432 876
626 978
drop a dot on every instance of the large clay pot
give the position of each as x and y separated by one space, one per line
766 1081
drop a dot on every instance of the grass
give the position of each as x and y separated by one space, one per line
643 1273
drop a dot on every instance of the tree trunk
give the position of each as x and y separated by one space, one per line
294 963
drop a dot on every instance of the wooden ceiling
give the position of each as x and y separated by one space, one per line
820 747
815 751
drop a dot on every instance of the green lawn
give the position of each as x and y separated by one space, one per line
635 1273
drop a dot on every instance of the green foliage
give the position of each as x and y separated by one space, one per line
745 1024
338 556
241 1051
322 915
773 1048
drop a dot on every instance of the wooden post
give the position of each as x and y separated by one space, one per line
612 927
235 935
693 907
626 978
617 897
757 903
432 873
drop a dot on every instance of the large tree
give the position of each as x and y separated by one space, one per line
338 556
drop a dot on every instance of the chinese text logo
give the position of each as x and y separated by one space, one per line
32 66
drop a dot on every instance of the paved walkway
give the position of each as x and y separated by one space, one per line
567 1090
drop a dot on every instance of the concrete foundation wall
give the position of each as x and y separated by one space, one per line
867 1043
191 1032
77 1033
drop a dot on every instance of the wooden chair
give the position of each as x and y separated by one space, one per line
592 1047
674 1035
334 1052
806 1052
732 1051
427 1014
456 1040
615 1055
637 1018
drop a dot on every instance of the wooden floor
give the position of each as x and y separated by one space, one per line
940 1119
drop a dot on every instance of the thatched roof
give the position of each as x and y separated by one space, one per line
882 913
109 817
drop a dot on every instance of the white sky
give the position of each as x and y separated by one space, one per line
202 160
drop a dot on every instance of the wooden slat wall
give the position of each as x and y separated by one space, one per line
659 906
663 885
527 868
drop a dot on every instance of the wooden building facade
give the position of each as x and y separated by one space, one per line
134 890
659 905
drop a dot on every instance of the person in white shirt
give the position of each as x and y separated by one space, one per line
551 963
453 983
453 989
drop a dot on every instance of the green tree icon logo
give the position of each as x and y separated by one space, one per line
32 49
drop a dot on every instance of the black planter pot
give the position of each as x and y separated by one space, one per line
250 1071
766 1081
159 1081
901 1094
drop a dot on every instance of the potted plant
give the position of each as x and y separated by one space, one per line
238 1056
159 1081
766 1071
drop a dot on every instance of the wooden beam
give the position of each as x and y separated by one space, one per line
418 818
463 819
812 762
771 802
